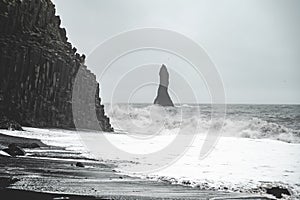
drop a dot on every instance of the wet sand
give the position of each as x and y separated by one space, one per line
51 173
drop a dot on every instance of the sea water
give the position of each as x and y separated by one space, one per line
258 147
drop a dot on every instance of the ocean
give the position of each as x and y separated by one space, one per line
278 122
258 146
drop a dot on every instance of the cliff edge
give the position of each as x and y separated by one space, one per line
38 67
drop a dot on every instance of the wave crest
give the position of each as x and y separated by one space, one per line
154 119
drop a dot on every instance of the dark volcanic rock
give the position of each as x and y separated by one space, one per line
38 67
163 97
278 191
79 164
5 123
14 150
7 181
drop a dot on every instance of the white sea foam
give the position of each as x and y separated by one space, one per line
248 159
235 164
151 120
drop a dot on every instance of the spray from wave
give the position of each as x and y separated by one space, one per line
241 121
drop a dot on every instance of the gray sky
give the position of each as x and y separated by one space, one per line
254 44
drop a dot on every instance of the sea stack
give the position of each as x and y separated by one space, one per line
163 97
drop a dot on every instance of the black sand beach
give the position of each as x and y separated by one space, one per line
56 174
106 84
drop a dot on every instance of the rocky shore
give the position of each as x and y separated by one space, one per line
51 172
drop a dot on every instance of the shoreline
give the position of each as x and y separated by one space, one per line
32 195
39 177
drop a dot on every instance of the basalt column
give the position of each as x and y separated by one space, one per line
38 67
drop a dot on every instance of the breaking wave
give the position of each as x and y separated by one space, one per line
151 119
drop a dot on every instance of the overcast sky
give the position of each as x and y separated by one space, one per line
255 44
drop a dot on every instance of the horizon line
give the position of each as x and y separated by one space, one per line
228 103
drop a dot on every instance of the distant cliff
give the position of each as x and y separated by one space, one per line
38 67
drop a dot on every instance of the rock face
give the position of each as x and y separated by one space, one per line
38 67
163 97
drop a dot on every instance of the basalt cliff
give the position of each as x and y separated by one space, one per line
163 98
38 67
